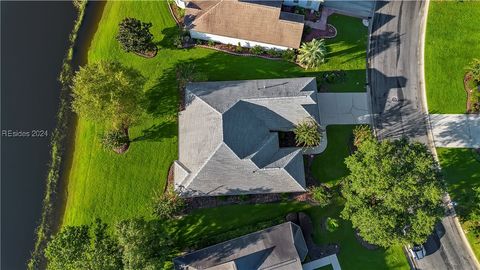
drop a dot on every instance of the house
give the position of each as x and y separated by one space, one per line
281 247
229 136
245 22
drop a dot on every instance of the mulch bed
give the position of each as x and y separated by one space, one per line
472 106
149 54
174 10
330 32
232 49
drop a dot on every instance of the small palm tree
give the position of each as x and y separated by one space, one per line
474 69
312 54
307 133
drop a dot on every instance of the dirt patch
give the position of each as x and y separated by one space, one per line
473 94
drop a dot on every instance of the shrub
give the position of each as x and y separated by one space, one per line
474 69
167 205
331 224
274 52
257 50
178 41
307 133
238 48
211 43
114 139
361 134
289 55
134 36
320 196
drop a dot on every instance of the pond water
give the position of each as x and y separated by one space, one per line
34 39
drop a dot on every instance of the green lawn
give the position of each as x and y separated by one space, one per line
452 41
462 172
329 167
114 187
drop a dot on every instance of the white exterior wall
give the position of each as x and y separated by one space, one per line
180 3
312 4
233 41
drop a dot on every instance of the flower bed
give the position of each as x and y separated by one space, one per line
473 94
313 33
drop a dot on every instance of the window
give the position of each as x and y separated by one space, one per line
295 1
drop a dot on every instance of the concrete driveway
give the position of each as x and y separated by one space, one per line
355 8
456 130
343 108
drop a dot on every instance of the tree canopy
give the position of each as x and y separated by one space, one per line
109 92
134 36
393 194
312 54
84 247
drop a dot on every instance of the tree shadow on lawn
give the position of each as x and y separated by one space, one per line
162 98
158 132
462 173
168 37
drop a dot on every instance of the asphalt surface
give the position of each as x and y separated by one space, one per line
397 104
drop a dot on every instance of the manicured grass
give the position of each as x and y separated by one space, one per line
114 187
462 172
452 42
329 167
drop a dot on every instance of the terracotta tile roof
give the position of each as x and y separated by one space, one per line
260 21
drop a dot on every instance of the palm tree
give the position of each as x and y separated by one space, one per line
307 133
312 54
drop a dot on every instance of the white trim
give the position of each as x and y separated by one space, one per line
234 41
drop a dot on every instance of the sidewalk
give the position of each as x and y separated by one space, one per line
456 130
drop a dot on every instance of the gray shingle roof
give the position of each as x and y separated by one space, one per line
228 143
277 247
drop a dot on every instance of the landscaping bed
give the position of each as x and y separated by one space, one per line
473 94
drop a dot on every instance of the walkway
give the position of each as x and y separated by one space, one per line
355 8
456 130
332 260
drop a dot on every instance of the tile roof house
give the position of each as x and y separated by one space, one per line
281 247
247 22
228 136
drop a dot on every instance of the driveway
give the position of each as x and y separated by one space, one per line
343 108
362 9
456 130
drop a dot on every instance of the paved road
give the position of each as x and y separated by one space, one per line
397 105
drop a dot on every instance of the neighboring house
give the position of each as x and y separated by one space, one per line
228 136
308 4
245 22
281 247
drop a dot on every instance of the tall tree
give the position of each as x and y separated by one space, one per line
393 194
312 54
134 36
144 243
109 93
84 247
